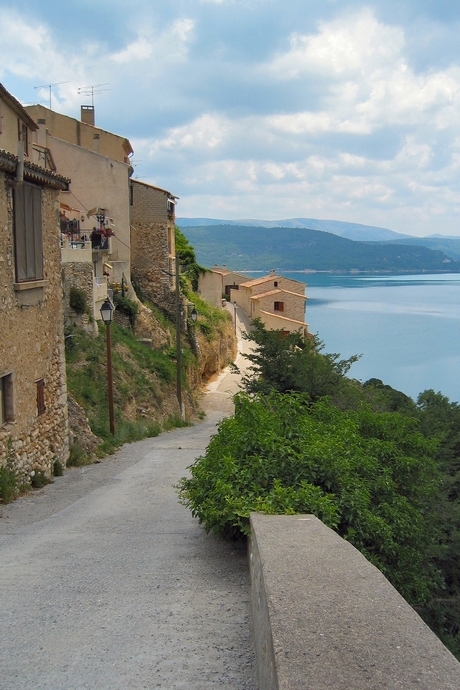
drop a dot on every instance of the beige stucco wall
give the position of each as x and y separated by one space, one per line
76 132
153 244
275 323
97 181
294 305
32 345
211 285
9 130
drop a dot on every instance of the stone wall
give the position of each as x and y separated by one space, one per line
32 346
152 245
80 275
324 618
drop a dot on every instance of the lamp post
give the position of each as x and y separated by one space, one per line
234 316
107 313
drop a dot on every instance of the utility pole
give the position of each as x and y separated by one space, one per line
178 343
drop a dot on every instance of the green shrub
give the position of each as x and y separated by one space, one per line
58 469
8 484
369 476
78 456
39 479
77 300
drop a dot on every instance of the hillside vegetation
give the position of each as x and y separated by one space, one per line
259 248
377 467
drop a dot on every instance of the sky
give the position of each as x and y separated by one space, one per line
268 109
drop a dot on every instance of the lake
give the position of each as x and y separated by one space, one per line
407 328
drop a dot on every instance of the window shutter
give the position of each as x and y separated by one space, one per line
28 234
36 204
41 407
20 233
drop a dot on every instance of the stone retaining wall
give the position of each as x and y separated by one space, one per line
324 618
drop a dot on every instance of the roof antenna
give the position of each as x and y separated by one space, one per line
93 90
50 86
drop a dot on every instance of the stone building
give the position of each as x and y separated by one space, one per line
278 301
217 283
33 397
98 198
152 243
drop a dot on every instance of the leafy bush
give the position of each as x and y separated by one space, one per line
39 479
292 363
77 300
370 476
8 484
58 469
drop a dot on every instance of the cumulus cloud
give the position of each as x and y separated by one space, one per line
333 116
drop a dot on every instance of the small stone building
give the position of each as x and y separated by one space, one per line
218 282
33 396
277 300
153 243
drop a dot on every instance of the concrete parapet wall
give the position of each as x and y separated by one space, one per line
324 618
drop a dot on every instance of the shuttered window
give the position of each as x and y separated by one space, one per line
6 399
41 407
28 239
279 306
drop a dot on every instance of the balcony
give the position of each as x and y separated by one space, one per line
76 251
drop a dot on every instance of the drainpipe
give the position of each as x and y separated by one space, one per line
20 165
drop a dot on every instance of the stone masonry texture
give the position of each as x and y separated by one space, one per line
32 346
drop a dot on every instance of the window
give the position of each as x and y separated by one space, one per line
275 284
6 399
41 407
28 240
279 306
23 135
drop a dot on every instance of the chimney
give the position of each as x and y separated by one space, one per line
87 114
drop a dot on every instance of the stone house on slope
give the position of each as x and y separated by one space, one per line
33 396
153 243
95 210
278 301
218 282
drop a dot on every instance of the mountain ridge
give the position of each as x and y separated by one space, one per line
291 249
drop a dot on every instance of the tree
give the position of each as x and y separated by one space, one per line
187 259
291 363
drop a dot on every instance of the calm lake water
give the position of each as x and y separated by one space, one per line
406 327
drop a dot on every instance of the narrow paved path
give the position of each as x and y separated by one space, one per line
107 583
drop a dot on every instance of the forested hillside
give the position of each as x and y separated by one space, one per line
259 248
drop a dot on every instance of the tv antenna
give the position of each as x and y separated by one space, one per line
50 86
93 90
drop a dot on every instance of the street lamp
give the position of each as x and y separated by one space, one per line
234 315
107 314
194 315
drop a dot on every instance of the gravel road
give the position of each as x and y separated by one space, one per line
107 583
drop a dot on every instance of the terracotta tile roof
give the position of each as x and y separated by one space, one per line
276 291
35 173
